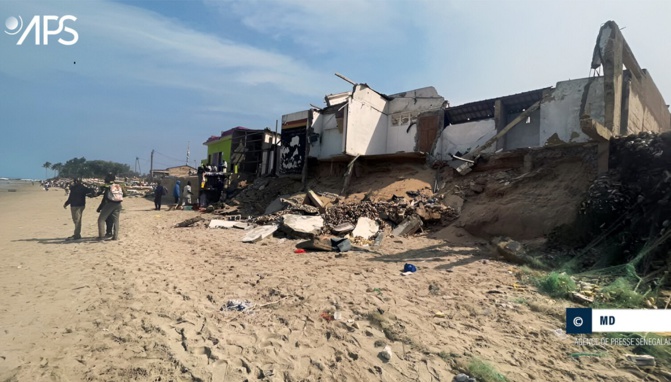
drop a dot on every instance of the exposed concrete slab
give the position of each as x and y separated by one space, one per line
315 200
302 226
259 233
222 223
594 129
365 228
408 226
275 206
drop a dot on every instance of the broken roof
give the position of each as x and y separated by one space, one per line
478 110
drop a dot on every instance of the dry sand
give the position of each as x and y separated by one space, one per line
147 307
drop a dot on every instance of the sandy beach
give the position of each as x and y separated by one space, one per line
148 307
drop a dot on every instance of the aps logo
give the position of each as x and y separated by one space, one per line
42 27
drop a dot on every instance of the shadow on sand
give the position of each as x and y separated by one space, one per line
61 240
437 253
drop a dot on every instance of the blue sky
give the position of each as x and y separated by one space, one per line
162 74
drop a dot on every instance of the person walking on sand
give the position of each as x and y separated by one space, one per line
110 206
77 202
109 222
186 196
158 195
176 191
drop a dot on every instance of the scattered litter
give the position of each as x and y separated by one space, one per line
299 250
327 316
237 306
337 315
409 268
463 378
386 354
439 314
406 273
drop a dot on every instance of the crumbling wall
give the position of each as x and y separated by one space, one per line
525 133
647 110
464 137
366 129
560 114
404 109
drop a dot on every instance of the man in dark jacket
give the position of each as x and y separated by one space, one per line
77 203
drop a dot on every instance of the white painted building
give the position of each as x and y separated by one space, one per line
361 122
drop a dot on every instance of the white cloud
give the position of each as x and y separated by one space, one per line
125 43
338 26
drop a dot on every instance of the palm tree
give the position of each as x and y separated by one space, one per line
57 167
47 166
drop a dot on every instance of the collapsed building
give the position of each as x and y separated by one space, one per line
419 123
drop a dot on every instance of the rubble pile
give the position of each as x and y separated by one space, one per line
629 206
337 214
390 213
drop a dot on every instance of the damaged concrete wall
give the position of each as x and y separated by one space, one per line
464 137
647 110
292 153
331 135
525 133
560 114
404 109
366 128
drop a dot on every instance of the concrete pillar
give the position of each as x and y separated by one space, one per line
500 122
612 71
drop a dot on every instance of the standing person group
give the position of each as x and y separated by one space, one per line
77 203
110 208
186 195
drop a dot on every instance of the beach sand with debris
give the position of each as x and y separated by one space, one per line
149 306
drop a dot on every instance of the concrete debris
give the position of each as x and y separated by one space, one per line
189 222
511 250
302 208
581 298
214 223
259 233
343 228
241 225
302 226
322 243
365 228
409 226
317 244
315 200
275 206
641 360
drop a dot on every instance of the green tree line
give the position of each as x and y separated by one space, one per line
82 168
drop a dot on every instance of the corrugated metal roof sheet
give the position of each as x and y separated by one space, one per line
478 110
